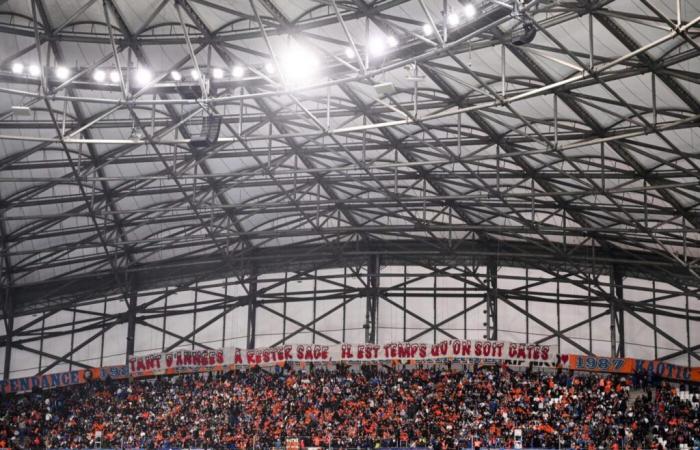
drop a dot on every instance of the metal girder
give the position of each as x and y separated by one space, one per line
414 281
132 306
614 28
436 326
302 326
617 318
590 121
200 161
66 357
8 317
184 271
409 176
252 311
170 333
307 326
372 309
38 7
57 359
491 299
621 305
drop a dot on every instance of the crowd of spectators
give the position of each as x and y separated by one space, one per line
367 407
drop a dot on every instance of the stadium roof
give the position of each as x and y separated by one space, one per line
411 128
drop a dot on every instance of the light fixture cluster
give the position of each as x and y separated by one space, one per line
453 18
216 73
376 46
34 70
295 65
142 76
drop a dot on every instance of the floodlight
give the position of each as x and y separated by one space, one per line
392 41
135 135
376 46
62 72
299 63
115 76
452 19
34 70
99 75
237 71
175 75
17 68
469 10
427 29
269 68
349 52
194 73
217 73
143 76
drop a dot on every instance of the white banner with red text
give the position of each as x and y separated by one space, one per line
179 361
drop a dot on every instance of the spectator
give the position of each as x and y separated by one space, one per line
371 407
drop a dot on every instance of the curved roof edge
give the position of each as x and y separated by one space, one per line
59 293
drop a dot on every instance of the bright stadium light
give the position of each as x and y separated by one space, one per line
17 68
34 70
299 63
143 76
175 75
469 10
62 72
427 29
237 71
115 76
99 75
217 73
392 41
269 68
452 19
349 52
194 74
376 46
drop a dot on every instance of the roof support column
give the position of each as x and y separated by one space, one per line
252 309
617 318
9 325
7 303
492 301
372 298
131 324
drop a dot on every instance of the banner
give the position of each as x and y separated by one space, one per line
63 379
463 351
632 365
402 351
178 361
221 359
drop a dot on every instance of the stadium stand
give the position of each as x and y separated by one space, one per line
371 407
349 224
